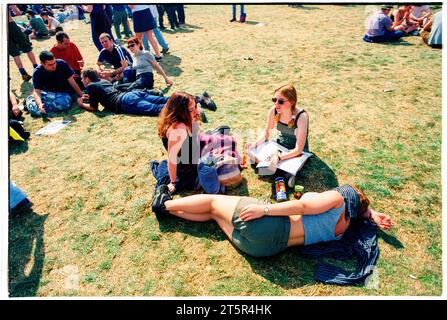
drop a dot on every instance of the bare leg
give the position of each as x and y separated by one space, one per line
153 42
18 62
139 35
411 28
31 57
204 207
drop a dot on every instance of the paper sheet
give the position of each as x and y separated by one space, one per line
263 152
53 127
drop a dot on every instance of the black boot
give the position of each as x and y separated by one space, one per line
161 195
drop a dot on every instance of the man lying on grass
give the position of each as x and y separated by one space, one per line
101 91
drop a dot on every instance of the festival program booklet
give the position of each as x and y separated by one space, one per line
263 153
53 127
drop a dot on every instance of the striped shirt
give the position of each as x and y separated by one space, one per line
115 56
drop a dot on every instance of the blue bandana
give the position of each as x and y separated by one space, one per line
351 198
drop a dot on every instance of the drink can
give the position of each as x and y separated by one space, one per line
280 188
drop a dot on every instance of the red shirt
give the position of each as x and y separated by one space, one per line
71 55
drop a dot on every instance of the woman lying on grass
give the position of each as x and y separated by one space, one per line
261 229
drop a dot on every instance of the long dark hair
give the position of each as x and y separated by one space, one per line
175 110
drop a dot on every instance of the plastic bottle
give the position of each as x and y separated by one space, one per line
280 188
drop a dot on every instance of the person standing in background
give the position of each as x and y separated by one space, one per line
120 18
158 35
18 42
143 22
100 23
243 14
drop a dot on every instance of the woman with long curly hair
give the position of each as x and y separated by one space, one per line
178 129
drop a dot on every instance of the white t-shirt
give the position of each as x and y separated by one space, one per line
54 22
140 7
419 10
154 11
436 30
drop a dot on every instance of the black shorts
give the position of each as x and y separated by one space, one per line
17 41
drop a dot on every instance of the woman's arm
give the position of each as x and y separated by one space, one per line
14 105
160 70
176 136
383 221
268 129
315 205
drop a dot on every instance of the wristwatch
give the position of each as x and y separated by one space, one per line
266 210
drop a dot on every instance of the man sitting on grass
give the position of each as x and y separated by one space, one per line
380 27
66 50
52 23
53 84
115 55
101 91
37 28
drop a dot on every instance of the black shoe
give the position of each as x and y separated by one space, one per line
203 116
165 50
161 195
26 77
206 102
233 20
158 59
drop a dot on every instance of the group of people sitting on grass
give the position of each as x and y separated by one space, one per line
405 20
125 86
256 227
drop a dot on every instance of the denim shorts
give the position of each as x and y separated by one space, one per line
260 237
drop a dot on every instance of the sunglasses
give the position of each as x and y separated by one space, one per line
131 45
280 101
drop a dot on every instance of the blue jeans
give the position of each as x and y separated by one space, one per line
143 81
158 35
15 195
142 103
388 36
234 10
161 174
53 102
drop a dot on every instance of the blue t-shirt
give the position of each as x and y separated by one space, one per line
378 24
53 81
114 58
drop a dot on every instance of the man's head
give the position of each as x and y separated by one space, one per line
48 61
30 13
106 41
386 8
89 75
44 15
63 41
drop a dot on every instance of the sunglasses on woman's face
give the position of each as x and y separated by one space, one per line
280 101
131 45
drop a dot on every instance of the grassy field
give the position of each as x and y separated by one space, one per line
375 120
